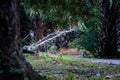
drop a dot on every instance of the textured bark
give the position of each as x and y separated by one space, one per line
109 16
118 30
13 66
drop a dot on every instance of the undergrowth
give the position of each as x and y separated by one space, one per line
64 67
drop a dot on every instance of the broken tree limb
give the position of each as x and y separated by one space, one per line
59 39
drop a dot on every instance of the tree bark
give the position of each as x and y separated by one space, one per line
13 66
118 28
109 16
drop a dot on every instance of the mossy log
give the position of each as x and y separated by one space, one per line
59 39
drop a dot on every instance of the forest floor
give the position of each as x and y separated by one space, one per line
69 66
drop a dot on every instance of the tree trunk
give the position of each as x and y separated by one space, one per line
118 31
108 33
13 65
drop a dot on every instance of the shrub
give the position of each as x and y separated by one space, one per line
89 39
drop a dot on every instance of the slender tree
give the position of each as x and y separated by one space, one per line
13 66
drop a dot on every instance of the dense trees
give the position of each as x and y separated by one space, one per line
13 66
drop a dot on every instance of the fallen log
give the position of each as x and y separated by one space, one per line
59 39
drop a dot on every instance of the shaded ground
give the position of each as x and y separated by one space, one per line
78 54
65 67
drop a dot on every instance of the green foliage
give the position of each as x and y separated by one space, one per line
26 78
52 48
90 28
88 40
44 55
86 12
70 76
16 70
1 72
58 11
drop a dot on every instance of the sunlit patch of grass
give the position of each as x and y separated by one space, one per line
65 67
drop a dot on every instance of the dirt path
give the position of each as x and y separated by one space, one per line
71 52
106 61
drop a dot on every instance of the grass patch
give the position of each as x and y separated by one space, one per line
65 67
